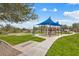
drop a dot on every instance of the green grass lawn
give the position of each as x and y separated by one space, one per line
12 39
64 33
65 46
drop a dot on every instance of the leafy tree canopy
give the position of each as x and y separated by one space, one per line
17 12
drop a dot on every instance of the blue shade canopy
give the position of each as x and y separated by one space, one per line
49 22
57 24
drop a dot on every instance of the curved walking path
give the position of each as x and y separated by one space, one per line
39 49
7 49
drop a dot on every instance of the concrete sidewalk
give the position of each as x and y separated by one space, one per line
40 49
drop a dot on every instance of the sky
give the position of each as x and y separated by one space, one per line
64 13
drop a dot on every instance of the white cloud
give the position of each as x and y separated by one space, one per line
55 10
50 10
63 21
44 9
33 7
73 14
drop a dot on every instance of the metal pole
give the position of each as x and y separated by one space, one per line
49 30
33 31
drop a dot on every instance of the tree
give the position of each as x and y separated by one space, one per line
17 12
63 27
75 27
10 29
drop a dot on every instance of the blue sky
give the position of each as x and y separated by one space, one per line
65 13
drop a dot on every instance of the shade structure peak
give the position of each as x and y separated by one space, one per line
49 21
